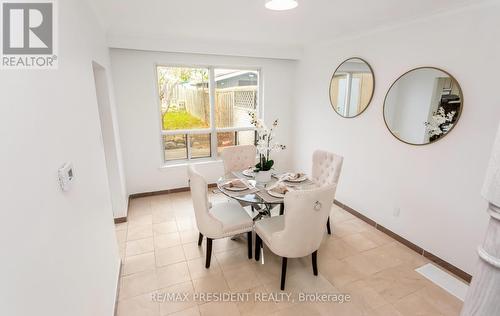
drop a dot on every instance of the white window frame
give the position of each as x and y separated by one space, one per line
213 130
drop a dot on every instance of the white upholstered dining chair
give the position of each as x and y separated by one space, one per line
326 171
222 220
299 232
237 158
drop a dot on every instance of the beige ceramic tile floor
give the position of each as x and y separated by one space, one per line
159 250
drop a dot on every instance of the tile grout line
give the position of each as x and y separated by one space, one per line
154 237
421 251
222 271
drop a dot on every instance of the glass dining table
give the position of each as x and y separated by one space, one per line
257 196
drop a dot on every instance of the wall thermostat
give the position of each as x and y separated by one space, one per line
66 176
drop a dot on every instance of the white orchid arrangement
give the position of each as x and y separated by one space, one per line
265 142
440 122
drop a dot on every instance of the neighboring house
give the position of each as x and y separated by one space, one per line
237 79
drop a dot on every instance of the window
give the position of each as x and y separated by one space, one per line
226 139
204 109
354 92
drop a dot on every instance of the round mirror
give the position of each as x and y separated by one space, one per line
423 105
351 87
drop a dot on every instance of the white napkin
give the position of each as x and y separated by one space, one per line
279 187
237 183
291 176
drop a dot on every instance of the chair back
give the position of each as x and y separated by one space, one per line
237 158
207 224
326 167
306 212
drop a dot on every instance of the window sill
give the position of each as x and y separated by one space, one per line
183 163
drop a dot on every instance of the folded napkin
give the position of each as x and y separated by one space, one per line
280 188
250 170
237 183
291 176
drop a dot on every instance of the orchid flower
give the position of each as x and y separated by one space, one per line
265 142
440 122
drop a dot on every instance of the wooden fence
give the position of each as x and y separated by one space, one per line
195 102
232 104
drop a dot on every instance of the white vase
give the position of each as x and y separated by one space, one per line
263 176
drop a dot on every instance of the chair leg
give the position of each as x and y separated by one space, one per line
315 262
209 253
282 208
258 243
249 243
200 239
328 226
283 272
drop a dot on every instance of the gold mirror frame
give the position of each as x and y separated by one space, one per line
330 87
459 114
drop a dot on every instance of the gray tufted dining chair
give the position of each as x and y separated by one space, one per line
326 171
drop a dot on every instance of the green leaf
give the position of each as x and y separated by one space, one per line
268 165
264 165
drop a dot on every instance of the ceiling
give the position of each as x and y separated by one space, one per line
249 21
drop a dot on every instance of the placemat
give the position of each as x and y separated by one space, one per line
306 184
268 198
239 174
239 193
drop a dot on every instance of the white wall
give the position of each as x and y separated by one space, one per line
139 119
436 186
203 45
59 252
111 141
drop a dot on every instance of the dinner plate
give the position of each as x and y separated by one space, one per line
301 179
275 194
235 189
226 186
248 173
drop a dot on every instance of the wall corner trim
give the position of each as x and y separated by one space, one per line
118 284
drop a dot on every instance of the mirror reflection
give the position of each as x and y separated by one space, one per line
423 105
351 87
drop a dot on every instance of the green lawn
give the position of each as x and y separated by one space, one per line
181 120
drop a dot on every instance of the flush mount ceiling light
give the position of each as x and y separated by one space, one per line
281 5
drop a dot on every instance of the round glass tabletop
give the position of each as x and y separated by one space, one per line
252 197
